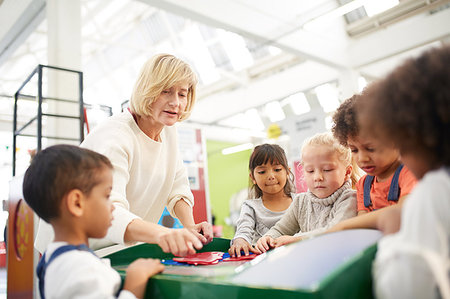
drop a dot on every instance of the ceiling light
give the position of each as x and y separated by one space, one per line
254 120
328 97
274 111
375 7
335 13
237 50
362 83
237 148
298 103
250 119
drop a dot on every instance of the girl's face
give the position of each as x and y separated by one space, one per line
170 104
98 210
324 173
270 178
374 158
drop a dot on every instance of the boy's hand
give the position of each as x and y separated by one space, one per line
265 243
179 242
138 274
239 245
283 240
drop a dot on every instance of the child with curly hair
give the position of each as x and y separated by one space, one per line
387 181
410 108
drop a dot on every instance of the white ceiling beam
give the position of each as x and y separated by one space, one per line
18 22
253 24
400 37
258 92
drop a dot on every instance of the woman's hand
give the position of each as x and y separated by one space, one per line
265 243
138 274
283 240
179 242
203 231
239 245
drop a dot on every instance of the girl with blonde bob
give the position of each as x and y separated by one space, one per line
328 172
149 174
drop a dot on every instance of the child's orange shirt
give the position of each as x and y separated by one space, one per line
379 190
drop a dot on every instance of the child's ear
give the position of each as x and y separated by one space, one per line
251 177
75 202
348 171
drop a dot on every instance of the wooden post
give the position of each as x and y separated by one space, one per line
20 244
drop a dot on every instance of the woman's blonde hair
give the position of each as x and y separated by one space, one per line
159 73
344 153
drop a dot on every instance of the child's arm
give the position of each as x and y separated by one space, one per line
371 220
240 244
284 240
246 224
289 223
138 274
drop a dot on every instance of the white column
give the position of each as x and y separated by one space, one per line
348 83
64 50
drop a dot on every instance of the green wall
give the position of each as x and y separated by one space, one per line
227 175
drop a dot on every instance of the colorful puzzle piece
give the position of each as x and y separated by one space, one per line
202 258
241 258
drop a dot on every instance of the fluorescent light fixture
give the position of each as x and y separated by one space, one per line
335 13
237 148
253 119
362 83
274 111
250 119
237 50
194 47
375 7
328 97
298 103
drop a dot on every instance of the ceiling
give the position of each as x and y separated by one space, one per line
247 53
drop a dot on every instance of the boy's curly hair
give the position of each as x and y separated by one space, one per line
345 122
411 107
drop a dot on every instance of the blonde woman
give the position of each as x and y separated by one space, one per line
148 170
328 172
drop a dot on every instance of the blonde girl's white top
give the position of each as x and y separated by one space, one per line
148 175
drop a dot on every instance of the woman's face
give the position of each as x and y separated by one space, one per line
170 104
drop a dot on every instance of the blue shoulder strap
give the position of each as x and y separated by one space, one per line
394 191
42 265
367 185
393 194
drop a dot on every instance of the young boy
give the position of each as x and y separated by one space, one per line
387 181
69 188
411 109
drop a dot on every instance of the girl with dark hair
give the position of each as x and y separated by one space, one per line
270 189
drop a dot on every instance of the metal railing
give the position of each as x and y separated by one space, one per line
38 118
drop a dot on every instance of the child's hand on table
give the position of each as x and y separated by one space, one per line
239 245
138 274
265 243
